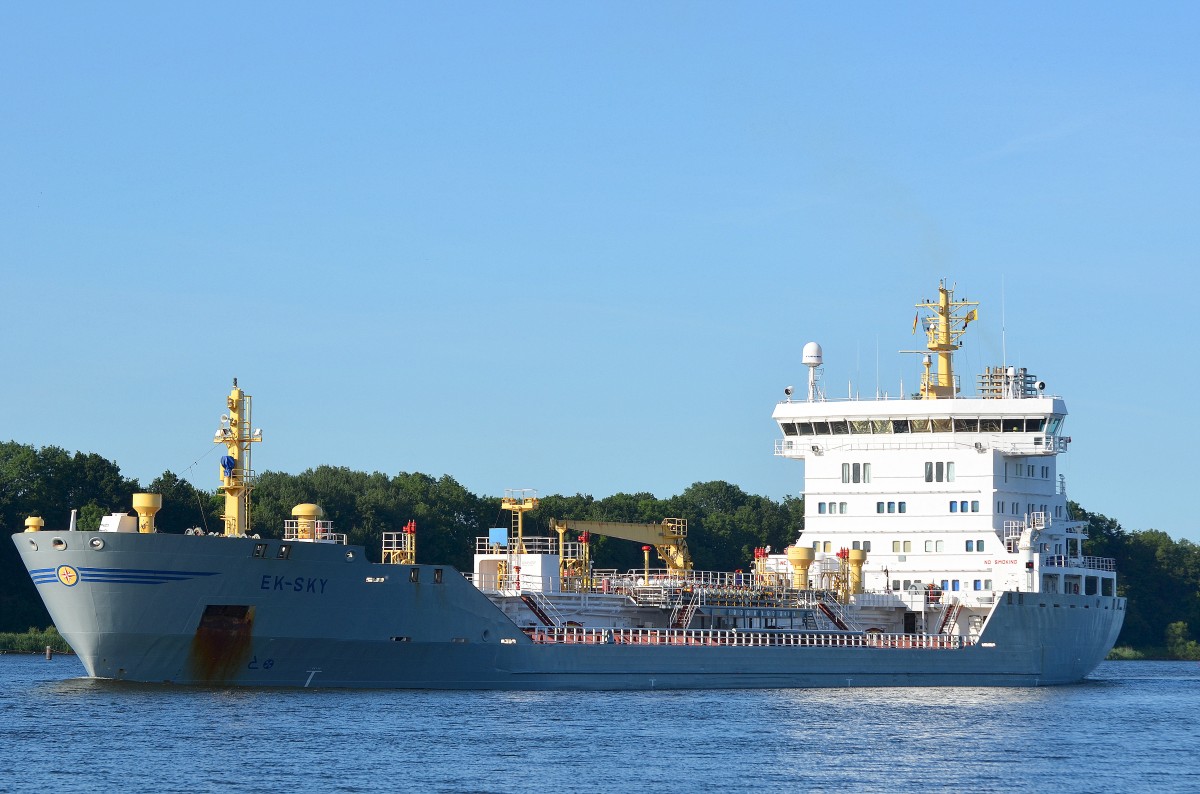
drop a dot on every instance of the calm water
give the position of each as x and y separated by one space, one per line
1135 726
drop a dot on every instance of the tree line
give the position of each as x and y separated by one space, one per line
1160 576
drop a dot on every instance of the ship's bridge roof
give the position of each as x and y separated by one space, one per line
978 407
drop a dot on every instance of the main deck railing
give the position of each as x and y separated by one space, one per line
737 638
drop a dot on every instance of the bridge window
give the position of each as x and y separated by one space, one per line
899 425
1013 426
881 426
919 425
1035 425
839 427
789 429
966 425
989 425
943 425
821 428
861 427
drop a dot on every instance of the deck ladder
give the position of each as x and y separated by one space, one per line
950 617
682 615
542 607
833 616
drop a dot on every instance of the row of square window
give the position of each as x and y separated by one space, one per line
947 584
840 508
899 546
905 546
1030 508
1029 470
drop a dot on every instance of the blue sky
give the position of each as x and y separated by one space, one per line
578 247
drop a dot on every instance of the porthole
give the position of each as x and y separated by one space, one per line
33 544
59 544
96 543
349 556
486 634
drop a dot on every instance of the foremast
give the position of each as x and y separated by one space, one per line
943 328
237 478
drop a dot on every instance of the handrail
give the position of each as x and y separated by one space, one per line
1091 563
573 635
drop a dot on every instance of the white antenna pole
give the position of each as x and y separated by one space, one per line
877 366
1003 328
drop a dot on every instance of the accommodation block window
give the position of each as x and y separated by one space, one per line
856 472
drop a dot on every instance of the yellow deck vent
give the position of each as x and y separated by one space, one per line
146 505
306 516
800 558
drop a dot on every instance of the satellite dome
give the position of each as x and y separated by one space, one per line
811 355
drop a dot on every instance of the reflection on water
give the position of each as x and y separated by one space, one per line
100 735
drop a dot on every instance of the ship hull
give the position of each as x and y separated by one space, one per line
234 612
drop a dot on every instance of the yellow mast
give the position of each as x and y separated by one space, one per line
943 328
519 501
237 478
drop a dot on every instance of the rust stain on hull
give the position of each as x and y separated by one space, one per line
221 646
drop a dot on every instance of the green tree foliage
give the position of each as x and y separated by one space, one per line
1179 644
1159 576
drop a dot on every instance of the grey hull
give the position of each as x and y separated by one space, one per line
324 616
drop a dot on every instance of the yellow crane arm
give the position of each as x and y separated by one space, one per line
669 537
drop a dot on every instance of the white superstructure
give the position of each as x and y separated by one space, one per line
953 499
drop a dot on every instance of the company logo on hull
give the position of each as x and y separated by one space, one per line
69 576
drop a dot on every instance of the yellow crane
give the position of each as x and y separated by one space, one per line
669 537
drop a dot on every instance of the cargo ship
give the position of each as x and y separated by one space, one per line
937 550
